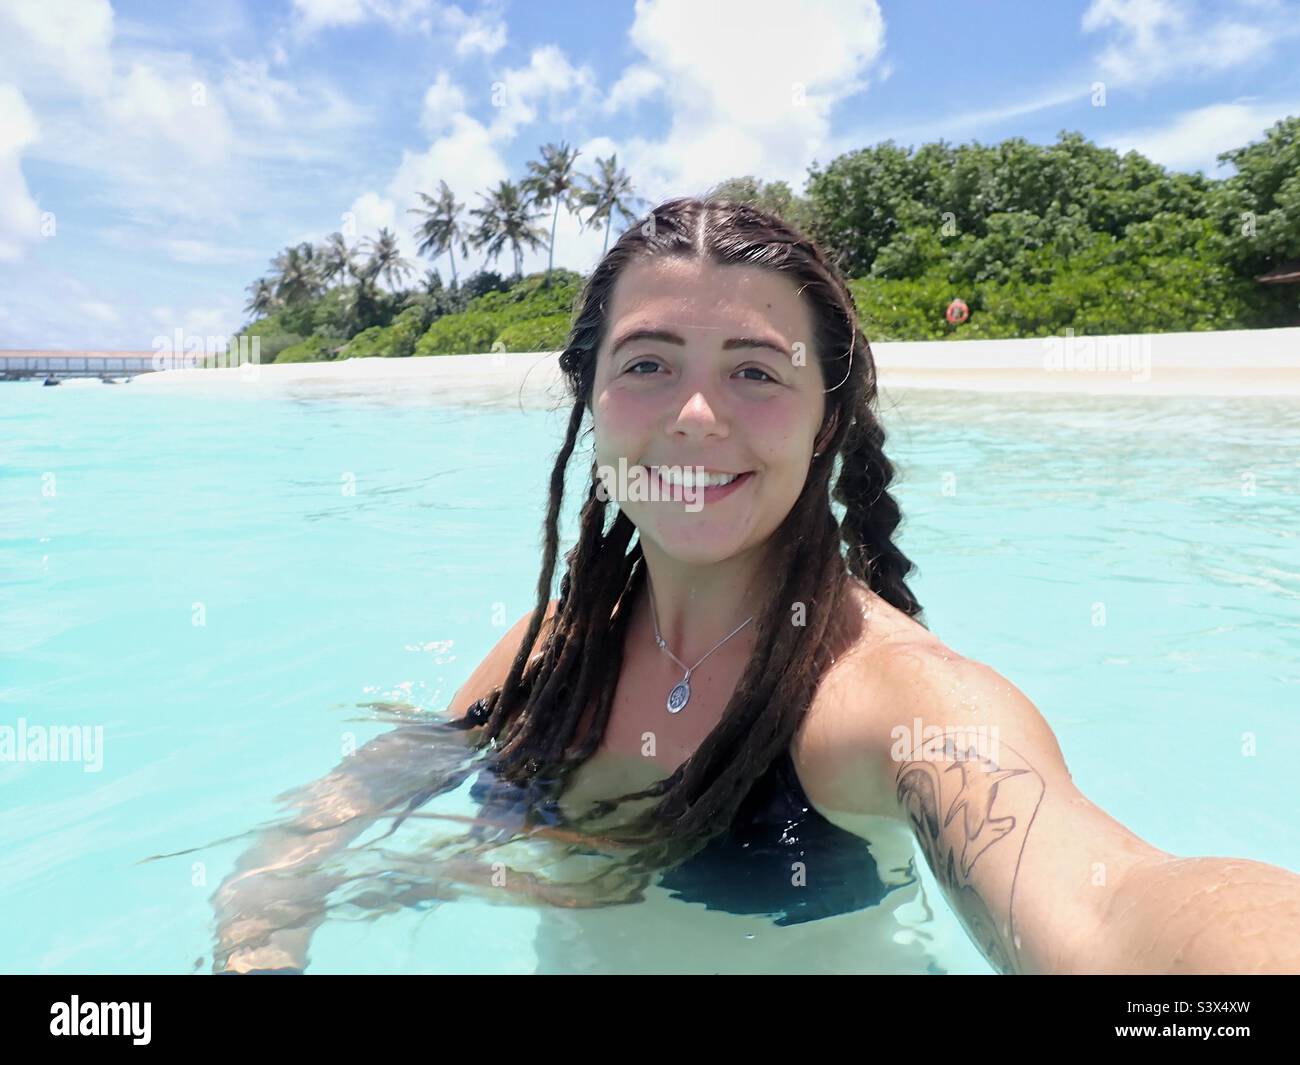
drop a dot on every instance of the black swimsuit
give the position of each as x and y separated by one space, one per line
750 869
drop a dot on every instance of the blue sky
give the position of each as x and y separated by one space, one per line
154 156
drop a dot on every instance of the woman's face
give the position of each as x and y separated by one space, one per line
730 383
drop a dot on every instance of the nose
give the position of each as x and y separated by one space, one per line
700 417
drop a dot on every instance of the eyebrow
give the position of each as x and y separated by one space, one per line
666 337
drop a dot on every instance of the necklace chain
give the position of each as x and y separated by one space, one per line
681 693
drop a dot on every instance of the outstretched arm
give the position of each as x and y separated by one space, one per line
1042 879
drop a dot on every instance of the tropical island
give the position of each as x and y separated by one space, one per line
1034 240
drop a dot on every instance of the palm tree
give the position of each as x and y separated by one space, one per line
386 259
607 194
296 275
432 282
549 181
262 299
335 257
441 229
507 218
361 302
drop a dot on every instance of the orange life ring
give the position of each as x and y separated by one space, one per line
957 311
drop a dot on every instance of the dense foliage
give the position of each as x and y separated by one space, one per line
1035 239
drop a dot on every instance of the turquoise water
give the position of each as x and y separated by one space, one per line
221 584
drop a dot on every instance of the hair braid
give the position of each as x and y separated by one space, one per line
872 515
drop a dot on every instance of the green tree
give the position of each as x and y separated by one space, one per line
552 181
606 194
774 196
858 202
296 275
507 218
1258 207
386 259
335 258
262 299
441 229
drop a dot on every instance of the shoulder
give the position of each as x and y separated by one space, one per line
876 706
491 673
951 693
907 686
899 667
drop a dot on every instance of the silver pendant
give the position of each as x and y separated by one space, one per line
679 696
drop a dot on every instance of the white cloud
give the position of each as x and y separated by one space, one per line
197 321
50 313
323 14
468 154
484 31
734 113
165 135
64 41
171 111
729 114
443 100
1150 40
1193 139
158 149
210 321
370 213
100 311
549 78
637 84
963 126
253 92
20 221
167 101
203 252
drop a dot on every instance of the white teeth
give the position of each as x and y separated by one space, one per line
687 478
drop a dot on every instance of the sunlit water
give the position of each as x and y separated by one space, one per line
222 584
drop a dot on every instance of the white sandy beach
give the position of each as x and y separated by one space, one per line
1240 362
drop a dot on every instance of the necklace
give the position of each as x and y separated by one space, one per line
681 693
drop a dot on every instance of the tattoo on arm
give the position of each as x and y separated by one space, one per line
963 805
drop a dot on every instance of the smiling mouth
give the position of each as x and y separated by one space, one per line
699 491
686 476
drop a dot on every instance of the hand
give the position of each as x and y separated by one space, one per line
262 960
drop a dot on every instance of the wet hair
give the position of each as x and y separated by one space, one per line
531 721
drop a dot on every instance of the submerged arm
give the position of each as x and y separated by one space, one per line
268 908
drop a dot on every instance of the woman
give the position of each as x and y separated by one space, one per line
742 708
